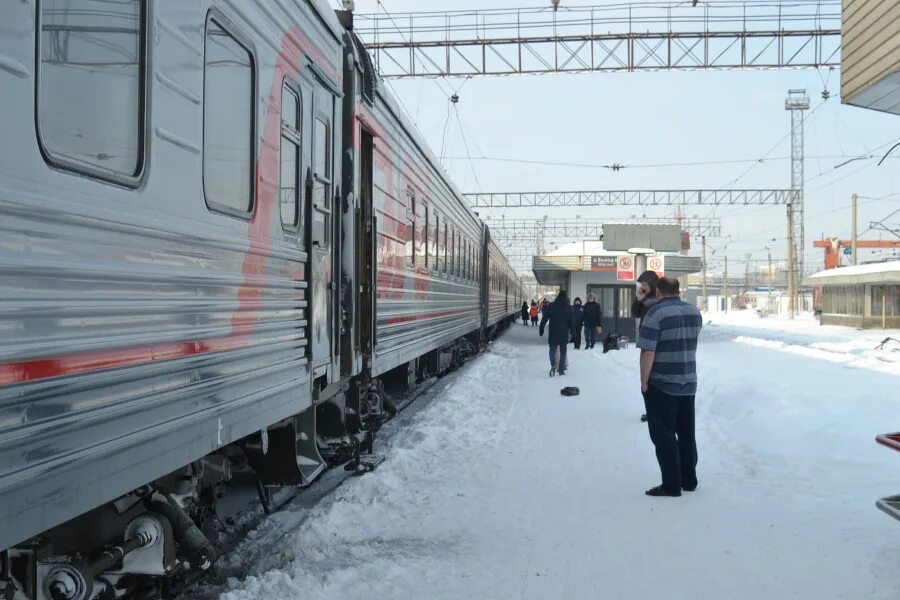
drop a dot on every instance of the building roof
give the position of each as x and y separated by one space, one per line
585 248
879 273
553 268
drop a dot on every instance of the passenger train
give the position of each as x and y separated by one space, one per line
222 247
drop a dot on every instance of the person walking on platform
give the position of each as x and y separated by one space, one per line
524 312
646 298
557 318
668 343
533 313
592 325
577 322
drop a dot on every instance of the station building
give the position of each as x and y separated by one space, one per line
866 296
587 267
870 54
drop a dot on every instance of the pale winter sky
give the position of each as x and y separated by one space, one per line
655 118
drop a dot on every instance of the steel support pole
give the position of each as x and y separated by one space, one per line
853 233
726 284
705 304
797 101
791 267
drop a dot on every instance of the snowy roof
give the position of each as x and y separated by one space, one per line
585 248
883 272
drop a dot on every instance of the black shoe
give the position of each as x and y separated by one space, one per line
562 372
662 491
643 418
689 488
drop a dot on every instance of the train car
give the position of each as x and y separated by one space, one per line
221 249
501 284
424 241
164 298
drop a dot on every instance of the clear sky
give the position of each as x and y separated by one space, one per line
655 118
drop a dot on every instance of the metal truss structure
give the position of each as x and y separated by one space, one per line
533 232
521 239
631 198
637 36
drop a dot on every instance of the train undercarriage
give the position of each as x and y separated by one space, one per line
160 538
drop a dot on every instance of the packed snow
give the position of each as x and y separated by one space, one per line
496 486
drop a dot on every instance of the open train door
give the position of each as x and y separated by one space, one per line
322 216
368 245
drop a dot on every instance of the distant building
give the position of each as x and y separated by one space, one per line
866 296
586 268
870 54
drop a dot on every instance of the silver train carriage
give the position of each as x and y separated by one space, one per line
222 251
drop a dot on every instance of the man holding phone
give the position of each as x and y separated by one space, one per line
646 298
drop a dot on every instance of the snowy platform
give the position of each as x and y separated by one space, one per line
496 486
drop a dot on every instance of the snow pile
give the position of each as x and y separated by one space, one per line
805 337
501 488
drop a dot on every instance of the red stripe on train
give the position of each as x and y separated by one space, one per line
74 364
431 315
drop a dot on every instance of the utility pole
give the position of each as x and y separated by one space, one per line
769 253
726 284
853 233
705 304
791 282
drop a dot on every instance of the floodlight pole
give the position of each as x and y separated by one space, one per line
797 101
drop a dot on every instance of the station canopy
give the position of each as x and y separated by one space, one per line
588 256
881 273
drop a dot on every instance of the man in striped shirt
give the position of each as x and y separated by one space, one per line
668 343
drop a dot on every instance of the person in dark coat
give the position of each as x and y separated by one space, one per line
557 318
524 312
592 316
577 322
646 298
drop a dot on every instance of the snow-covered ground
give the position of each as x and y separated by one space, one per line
499 487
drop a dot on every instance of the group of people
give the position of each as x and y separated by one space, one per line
667 338
566 323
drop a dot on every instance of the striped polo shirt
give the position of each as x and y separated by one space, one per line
670 329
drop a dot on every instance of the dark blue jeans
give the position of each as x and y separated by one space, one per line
562 356
670 420
590 335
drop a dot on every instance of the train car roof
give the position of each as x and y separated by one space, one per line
326 13
393 104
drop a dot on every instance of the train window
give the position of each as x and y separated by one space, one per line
445 263
320 228
435 233
289 178
425 230
458 256
410 229
454 253
90 86
228 116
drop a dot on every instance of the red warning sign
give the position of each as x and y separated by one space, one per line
625 268
655 263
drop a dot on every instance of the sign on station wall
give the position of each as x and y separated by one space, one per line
625 268
656 263
603 263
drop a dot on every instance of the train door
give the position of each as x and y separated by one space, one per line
367 242
322 216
